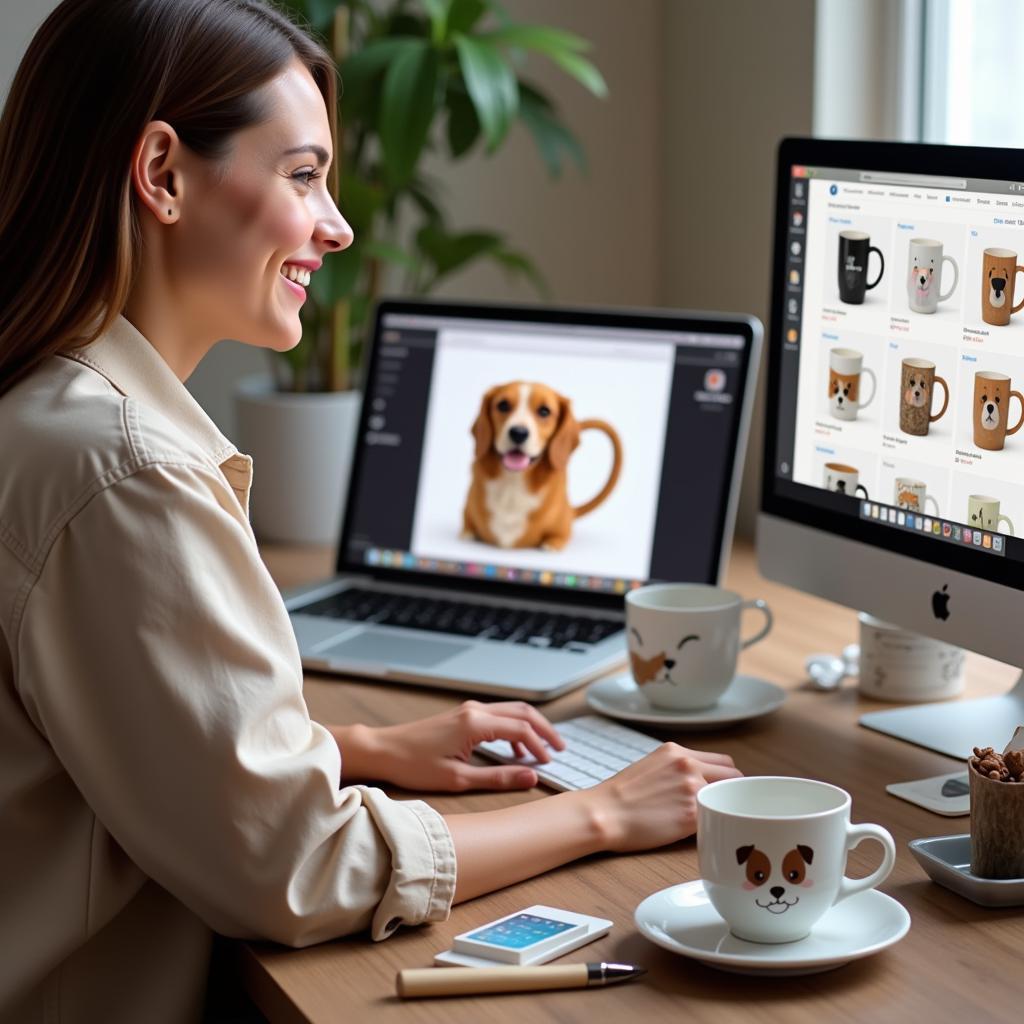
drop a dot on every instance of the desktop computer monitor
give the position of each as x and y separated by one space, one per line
894 469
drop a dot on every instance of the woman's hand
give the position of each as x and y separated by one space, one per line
654 801
433 753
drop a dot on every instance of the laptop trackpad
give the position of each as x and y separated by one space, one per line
390 648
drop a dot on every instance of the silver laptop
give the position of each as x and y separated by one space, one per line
516 472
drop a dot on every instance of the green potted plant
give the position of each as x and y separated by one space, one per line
418 77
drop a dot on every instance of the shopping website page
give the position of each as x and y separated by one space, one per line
905 302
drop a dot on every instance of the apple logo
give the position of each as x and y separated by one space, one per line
940 603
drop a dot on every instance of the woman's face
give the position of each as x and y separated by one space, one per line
262 214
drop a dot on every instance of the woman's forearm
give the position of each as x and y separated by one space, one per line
498 848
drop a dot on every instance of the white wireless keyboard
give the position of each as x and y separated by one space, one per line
595 749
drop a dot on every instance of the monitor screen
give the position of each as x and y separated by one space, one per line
897 352
657 402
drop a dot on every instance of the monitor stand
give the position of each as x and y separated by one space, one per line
955 727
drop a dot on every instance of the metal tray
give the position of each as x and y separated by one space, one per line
947 860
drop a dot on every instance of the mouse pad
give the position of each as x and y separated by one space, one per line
948 795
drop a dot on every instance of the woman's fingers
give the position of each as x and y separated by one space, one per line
710 757
506 776
717 772
528 713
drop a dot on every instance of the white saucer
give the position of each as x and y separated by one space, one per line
746 697
682 919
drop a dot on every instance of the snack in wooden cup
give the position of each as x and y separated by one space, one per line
997 810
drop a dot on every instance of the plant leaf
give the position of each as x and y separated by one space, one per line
520 263
448 252
552 137
437 10
408 104
464 14
463 124
337 278
541 38
582 70
491 85
389 253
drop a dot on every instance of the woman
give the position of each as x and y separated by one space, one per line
163 163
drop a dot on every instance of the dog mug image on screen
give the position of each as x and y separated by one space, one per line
684 640
855 249
843 479
983 512
523 436
924 276
773 853
992 394
999 271
912 495
917 388
845 370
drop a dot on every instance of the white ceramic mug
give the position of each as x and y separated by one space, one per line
906 667
684 639
913 496
983 512
846 371
924 275
844 480
773 853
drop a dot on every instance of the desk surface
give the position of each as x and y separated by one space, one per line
958 961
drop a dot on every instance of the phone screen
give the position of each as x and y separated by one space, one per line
521 931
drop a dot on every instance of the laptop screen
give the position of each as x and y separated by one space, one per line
574 451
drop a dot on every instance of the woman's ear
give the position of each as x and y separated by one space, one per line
156 176
483 429
565 438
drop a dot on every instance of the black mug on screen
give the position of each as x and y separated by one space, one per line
854 250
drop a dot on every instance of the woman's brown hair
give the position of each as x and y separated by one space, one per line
94 75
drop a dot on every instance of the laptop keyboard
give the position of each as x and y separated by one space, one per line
595 750
462 618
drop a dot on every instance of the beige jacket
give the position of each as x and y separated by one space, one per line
159 772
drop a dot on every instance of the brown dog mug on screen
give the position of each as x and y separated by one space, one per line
992 396
518 493
917 386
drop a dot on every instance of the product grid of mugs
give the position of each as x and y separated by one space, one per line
920 399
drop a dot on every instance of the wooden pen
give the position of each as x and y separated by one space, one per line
464 981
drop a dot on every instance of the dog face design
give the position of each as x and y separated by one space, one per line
988 413
996 288
917 392
921 275
843 390
657 668
522 422
776 898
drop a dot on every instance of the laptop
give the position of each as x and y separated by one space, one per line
517 471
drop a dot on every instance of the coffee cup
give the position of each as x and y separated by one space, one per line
845 369
854 250
917 389
924 276
983 513
998 274
906 667
992 396
684 639
843 479
913 496
773 853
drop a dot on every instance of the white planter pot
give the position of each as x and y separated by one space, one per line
301 446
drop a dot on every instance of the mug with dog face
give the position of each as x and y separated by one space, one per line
924 279
999 271
843 479
773 853
845 369
684 639
913 496
983 512
917 388
992 396
854 249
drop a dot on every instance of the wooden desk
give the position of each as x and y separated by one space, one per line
959 961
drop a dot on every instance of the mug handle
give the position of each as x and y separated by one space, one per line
1020 305
1008 521
874 386
881 268
1020 398
945 401
859 488
956 278
928 498
761 606
855 835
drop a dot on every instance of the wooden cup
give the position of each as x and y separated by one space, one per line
997 827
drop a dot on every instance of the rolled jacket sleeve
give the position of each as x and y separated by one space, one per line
156 656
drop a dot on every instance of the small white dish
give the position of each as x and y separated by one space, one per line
947 859
682 919
747 697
